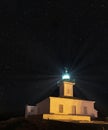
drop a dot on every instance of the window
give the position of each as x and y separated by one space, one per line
68 91
61 108
32 110
74 110
85 110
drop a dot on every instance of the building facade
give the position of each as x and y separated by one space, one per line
64 107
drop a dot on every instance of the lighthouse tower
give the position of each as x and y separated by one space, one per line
66 87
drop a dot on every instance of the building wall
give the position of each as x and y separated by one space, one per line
72 106
30 110
66 117
61 91
43 106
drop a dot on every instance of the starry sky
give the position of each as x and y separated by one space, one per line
38 38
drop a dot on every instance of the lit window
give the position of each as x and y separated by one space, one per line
85 110
68 91
61 108
74 110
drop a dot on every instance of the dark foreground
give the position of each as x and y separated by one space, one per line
34 124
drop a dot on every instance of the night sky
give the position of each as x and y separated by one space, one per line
39 38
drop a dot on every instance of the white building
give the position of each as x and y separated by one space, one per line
64 107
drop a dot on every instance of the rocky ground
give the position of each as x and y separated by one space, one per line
34 124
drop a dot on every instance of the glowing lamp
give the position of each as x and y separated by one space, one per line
66 76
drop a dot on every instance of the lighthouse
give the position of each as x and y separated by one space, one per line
65 106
